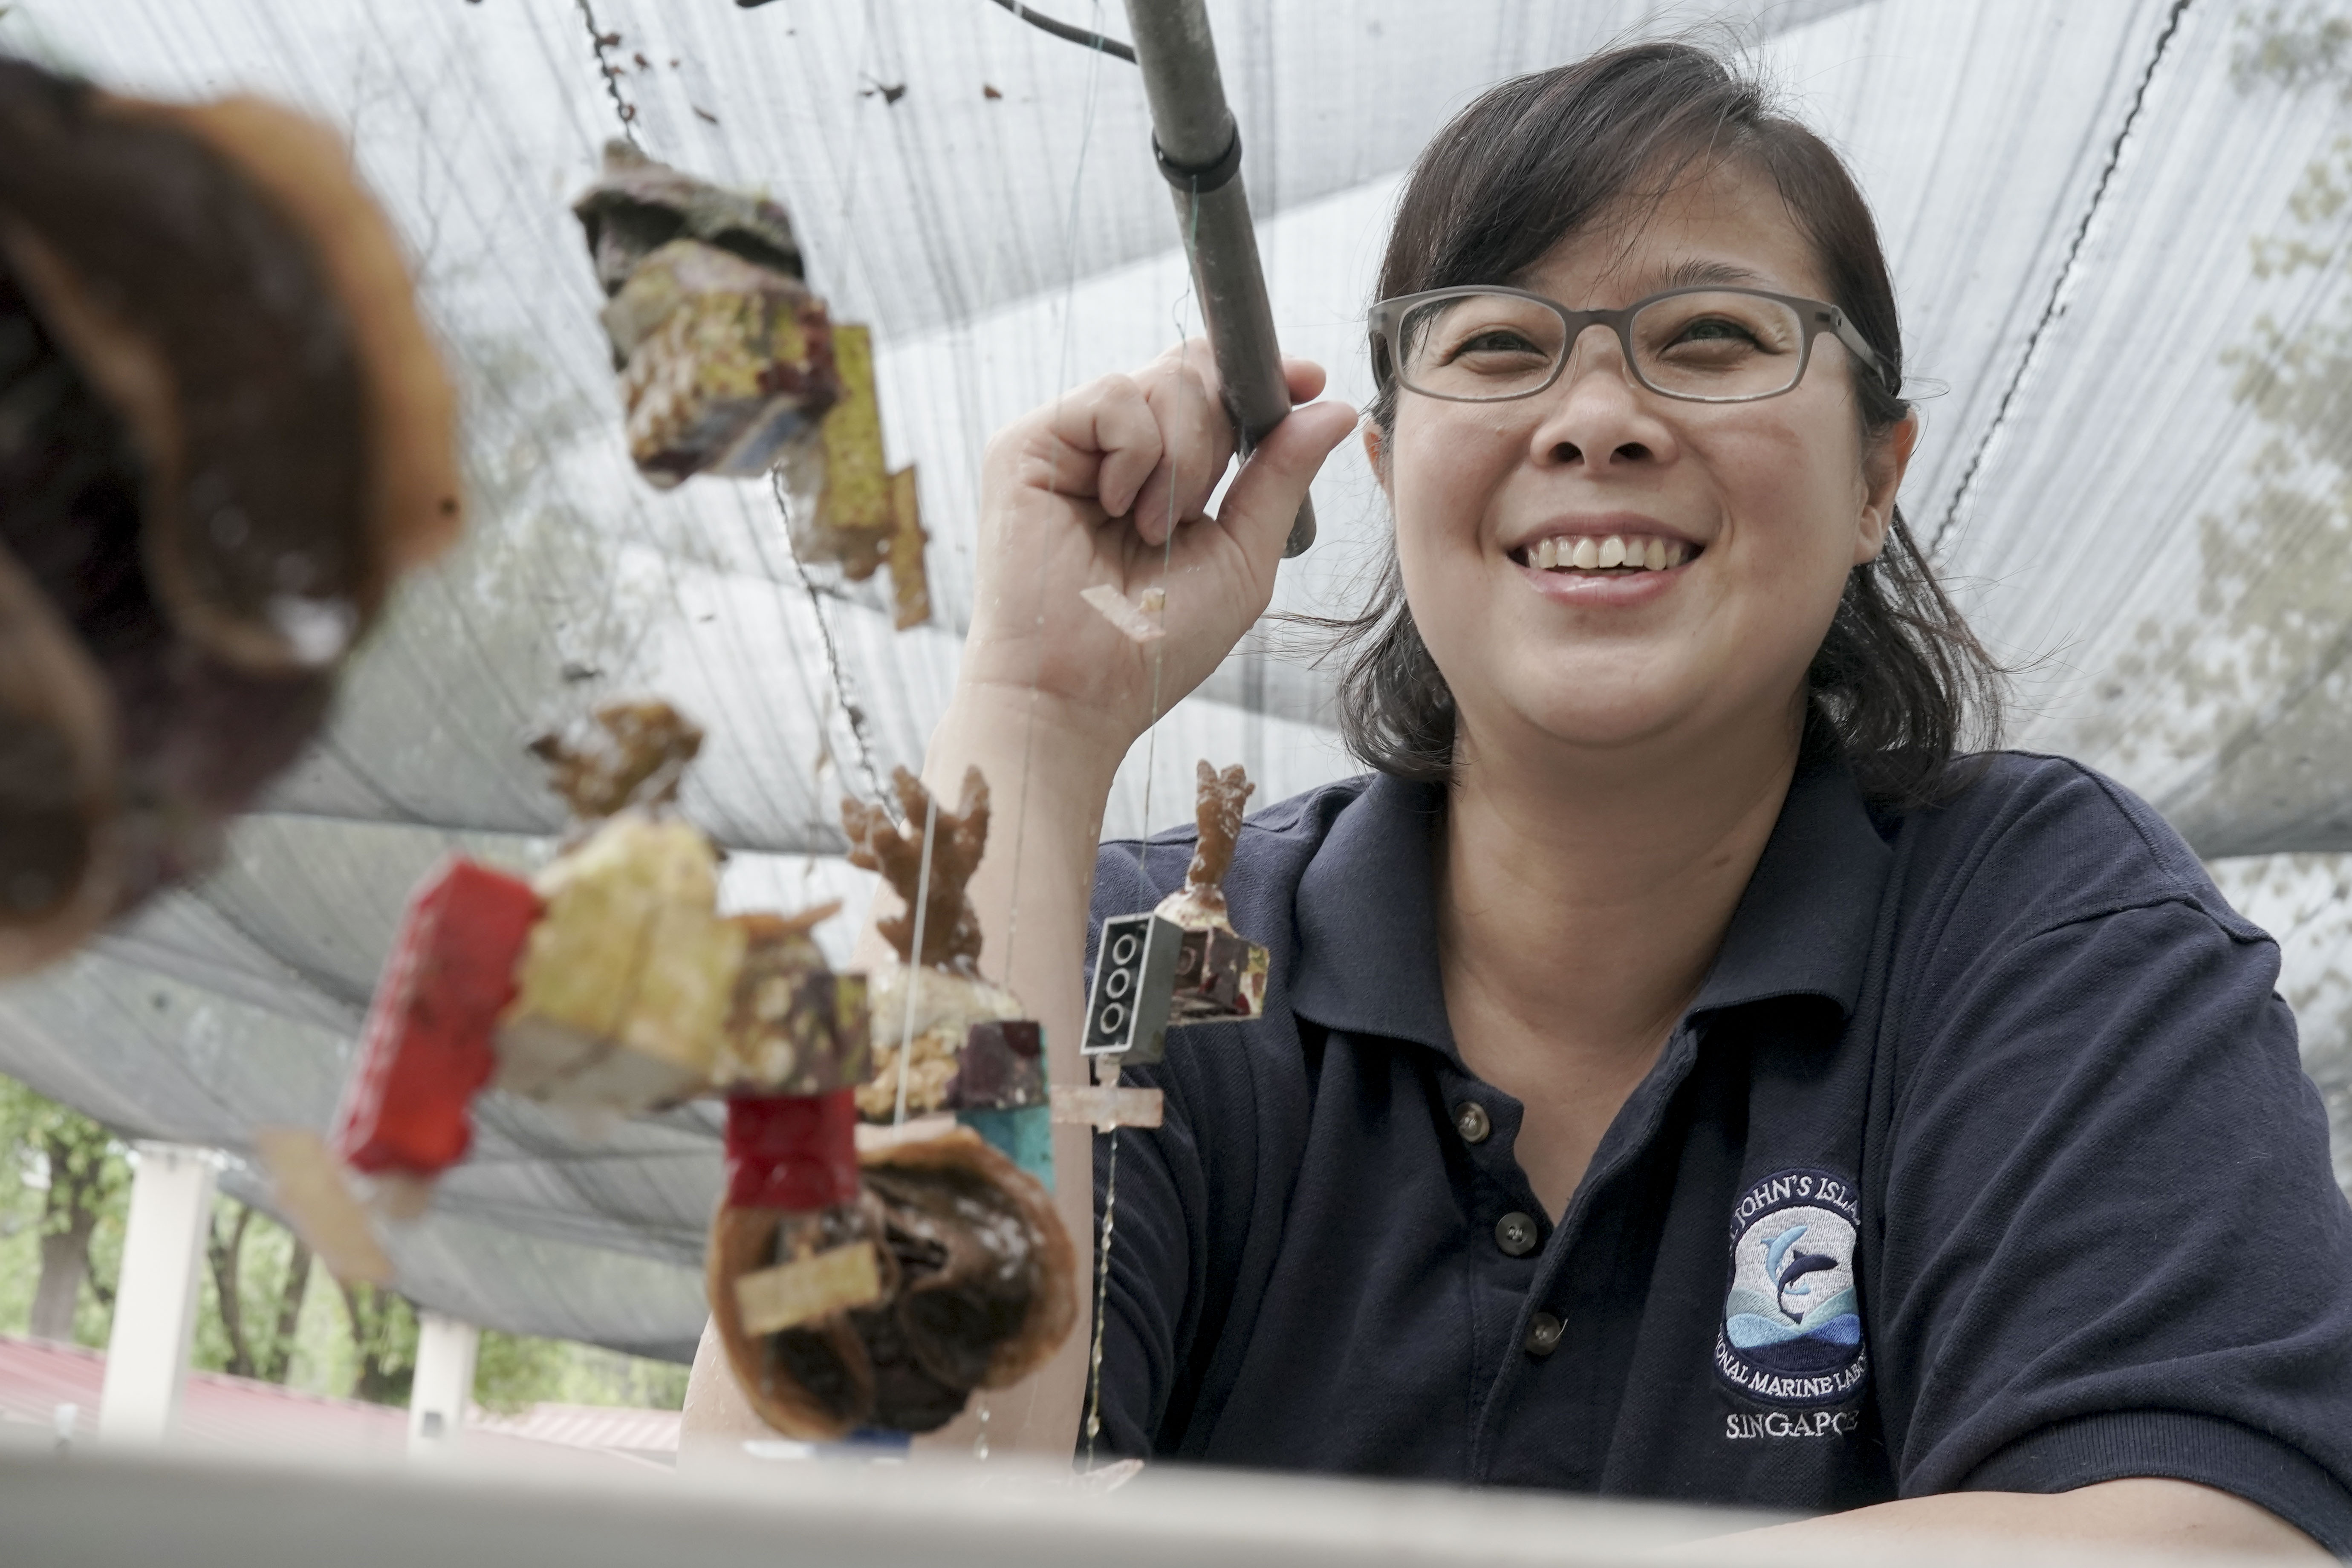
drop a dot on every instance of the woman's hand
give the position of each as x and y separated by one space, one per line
1084 492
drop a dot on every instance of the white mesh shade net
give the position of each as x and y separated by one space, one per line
2155 518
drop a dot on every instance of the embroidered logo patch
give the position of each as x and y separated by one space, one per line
1791 1331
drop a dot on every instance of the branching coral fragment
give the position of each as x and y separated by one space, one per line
952 933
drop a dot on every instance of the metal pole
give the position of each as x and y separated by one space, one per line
1200 150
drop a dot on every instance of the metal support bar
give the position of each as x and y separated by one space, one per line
1200 151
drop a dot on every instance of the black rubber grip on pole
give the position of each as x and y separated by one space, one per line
1200 179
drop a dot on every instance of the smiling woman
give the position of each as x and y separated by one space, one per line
1681 1072
1623 152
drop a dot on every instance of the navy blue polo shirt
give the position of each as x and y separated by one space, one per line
1984 1160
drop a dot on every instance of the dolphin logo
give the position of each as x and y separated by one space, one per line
1788 1267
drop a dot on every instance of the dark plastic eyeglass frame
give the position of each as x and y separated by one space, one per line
1817 316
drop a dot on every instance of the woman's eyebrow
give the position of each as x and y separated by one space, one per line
1694 273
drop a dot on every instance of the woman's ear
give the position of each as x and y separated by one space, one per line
1376 449
1881 476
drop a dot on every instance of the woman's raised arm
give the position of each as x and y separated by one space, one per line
1051 695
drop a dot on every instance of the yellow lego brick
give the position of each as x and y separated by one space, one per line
626 979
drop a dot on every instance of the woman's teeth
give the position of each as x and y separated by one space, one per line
1586 554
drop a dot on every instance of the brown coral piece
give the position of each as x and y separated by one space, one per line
632 752
952 933
1217 812
979 1289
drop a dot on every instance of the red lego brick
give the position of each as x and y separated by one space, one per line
427 1049
795 1152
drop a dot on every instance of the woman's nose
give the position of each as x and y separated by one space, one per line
1597 414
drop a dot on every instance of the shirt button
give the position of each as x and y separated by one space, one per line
1543 1334
1470 1119
1514 1233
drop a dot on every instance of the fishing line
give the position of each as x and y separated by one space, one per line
1143 840
1102 1296
915 953
1053 486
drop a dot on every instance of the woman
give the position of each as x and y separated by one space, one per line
1683 1077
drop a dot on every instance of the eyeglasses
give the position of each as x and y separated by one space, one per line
1705 345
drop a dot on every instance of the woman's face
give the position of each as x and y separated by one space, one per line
1767 504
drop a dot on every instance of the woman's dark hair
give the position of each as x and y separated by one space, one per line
1900 682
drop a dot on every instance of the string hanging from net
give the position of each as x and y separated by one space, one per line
853 713
844 700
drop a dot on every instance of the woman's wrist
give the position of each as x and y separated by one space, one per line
1076 748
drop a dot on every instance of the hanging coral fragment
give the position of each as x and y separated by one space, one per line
1184 964
935 1005
972 1284
607 985
729 365
227 435
598 987
1220 976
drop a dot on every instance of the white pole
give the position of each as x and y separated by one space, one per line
444 1384
155 1300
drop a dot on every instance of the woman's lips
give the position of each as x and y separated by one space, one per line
1603 588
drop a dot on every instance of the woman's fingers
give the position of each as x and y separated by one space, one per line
1304 377
1198 438
1151 448
1119 429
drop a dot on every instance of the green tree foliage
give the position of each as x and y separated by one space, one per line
257 1275
514 1371
83 1175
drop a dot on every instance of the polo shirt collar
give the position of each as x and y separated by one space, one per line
1367 912
1805 923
